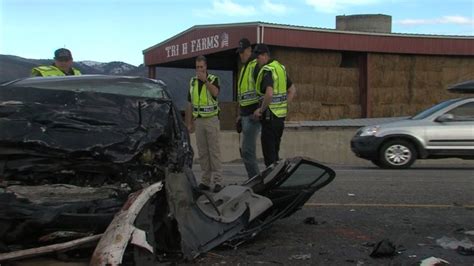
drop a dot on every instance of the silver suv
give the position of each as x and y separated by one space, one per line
442 131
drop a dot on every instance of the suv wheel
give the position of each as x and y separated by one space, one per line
397 154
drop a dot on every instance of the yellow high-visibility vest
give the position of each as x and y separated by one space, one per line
50 71
279 104
246 92
204 104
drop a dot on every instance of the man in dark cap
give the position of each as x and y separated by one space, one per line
62 66
277 90
248 103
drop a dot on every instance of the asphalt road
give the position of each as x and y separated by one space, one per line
414 209
417 210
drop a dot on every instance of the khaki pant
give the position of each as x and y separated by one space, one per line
207 140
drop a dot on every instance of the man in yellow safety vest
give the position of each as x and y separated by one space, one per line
202 116
62 66
276 91
248 103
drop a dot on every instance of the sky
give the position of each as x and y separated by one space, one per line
119 30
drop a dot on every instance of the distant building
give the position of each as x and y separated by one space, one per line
365 72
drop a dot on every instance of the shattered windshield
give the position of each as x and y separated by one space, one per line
128 87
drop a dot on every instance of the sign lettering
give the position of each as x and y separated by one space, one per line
197 45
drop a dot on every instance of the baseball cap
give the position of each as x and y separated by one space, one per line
261 49
62 54
244 43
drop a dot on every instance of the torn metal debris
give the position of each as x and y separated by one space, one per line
98 155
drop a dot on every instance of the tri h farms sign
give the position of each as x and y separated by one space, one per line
196 45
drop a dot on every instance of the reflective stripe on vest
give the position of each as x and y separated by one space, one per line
51 71
279 105
204 104
246 93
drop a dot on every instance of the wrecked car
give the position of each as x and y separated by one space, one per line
99 167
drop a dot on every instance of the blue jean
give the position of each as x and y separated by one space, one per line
250 130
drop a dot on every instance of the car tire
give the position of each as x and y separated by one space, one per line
376 162
397 154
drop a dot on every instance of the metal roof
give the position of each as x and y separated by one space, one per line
179 50
290 26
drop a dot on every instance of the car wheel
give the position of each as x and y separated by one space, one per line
397 154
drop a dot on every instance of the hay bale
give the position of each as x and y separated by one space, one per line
452 61
305 75
302 56
311 117
429 63
342 77
384 61
404 62
411 110
380 96
388 95
325 112
227 115
389 78
417 108
377 61
353 111
310 107
325 58
320 93
336 111
304 92
342 95
424 95
331 111
453 75
295 117
349 77
427 79
320 75
294 73
333 77
294 107
280 54
390 62
382 110
405 110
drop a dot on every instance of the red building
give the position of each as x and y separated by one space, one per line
338 74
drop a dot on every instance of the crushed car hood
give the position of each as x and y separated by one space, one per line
108 159
61 134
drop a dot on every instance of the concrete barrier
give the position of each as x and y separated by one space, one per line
329 145
325 144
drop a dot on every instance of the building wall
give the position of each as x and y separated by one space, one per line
327 82
403 85
325 90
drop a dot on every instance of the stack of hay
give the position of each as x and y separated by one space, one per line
325 91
